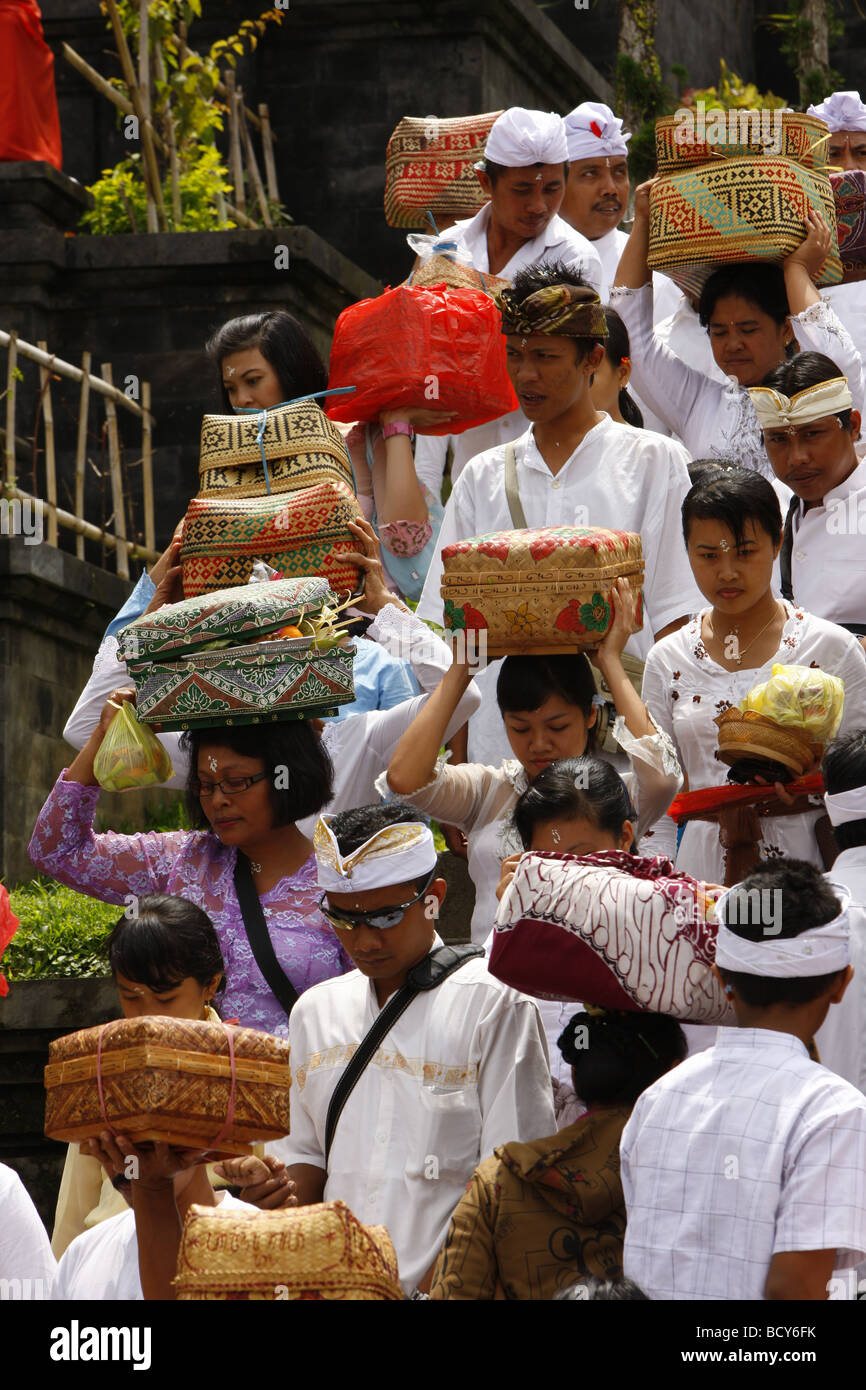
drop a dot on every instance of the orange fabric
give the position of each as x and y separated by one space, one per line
29 123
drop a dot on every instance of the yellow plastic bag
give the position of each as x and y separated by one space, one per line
802 697
130 755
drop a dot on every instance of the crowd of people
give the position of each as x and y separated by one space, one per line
518 1148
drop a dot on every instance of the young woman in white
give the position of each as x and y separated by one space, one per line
733 529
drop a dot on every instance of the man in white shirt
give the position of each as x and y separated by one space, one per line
575 467
524 177
27 1265
460 1070
744 1168
841 1040
809 431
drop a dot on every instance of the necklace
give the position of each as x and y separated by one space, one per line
735 631
256 868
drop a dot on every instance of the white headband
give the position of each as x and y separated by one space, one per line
592 129
845 806
396 854
817 951
775 411
841 111
520 137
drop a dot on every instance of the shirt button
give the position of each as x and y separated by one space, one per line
800 554
381 1137
555 482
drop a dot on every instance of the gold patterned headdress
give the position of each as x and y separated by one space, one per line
778 412
395 854
572 311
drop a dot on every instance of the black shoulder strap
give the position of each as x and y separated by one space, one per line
259 936
787 548
429 973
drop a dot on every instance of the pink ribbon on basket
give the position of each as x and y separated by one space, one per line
230 1112
108 1123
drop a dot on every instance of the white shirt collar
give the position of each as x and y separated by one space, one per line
735 1039
532 456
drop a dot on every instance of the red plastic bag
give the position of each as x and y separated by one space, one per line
433 347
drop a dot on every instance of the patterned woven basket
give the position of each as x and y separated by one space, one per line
299 533
539 591
849 193
440 270
750 735
182 685
319 1252
682 144
429 164
732 211
301 445
169 1079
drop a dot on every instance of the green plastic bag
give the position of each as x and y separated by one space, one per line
130 755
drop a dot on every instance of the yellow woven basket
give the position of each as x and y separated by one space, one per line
682 143
301 445
750 735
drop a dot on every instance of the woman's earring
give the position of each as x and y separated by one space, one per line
729 989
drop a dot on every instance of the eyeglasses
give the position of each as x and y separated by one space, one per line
380 918
232 786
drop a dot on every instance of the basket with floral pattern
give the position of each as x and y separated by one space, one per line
542 591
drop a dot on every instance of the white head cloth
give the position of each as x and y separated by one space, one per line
845 806
519 138
841 111
817 951
775 411
592 129
395 854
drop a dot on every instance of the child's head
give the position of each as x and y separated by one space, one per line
615 1056
576 806
769 953
165 958
547 707
611 376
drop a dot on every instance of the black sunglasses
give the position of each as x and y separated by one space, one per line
380 918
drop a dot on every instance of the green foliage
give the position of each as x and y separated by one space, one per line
62 933
119 201
795 41
732 93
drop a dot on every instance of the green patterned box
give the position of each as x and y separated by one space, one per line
204 662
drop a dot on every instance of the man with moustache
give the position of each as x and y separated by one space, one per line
845 115
810 434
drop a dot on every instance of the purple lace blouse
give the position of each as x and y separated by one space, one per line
195 865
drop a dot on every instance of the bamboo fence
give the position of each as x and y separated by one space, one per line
57 518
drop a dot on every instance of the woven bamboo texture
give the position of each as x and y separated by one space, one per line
746 734
301 445
439 270
539 591
429 164
785 134
319 1252
168 1079
300 533
733 211
849 193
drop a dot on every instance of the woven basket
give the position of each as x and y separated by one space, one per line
168 1079
301 445
733 211
849 193
319 1252
543 591
779 134
298 533
440 270
429 165
750 735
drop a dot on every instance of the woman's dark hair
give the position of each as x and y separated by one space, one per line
617 348
701 468
300 773
572 787
615 1056
541 276
802 370
802 898
354 827
844 767
592 1289
168 939
761 284
525 682
733 498
282 341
